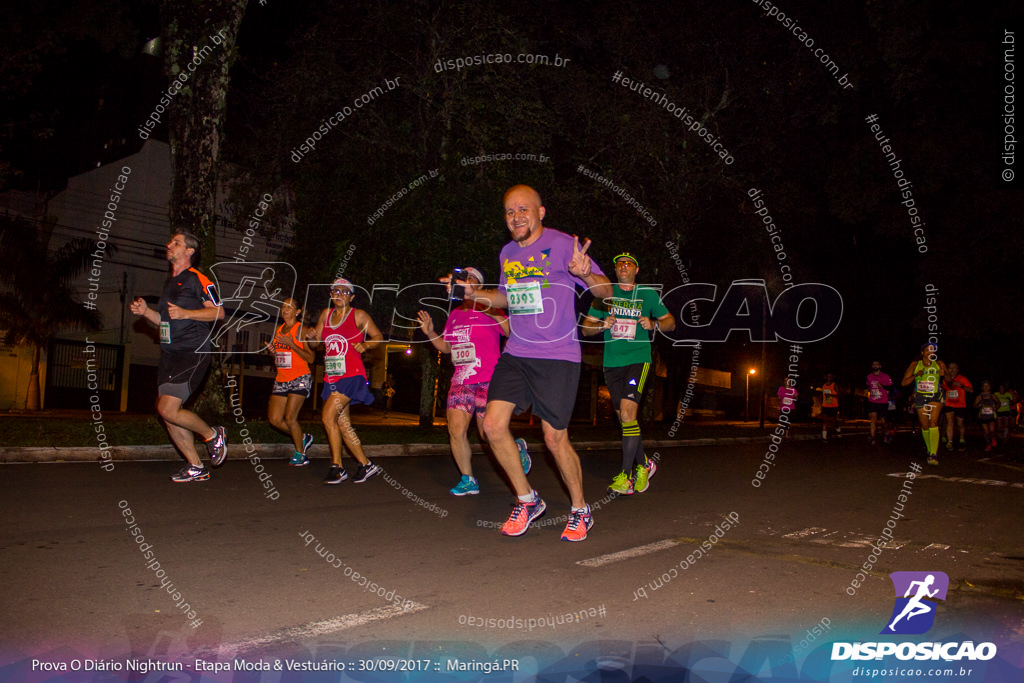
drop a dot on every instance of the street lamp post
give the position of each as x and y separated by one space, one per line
746 404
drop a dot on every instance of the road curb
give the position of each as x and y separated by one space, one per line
282 451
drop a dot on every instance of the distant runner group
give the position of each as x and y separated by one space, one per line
936 392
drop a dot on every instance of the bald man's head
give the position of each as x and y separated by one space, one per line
522 188
524 214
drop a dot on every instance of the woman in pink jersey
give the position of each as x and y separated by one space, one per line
472 336
345 333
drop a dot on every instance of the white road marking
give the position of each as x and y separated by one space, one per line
804 533
316 628
858 541
964 480
936 546
995 461
630 553
826 539
848 539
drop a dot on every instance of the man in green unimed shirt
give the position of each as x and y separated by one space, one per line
628 321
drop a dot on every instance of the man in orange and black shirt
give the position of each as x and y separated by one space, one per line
188 307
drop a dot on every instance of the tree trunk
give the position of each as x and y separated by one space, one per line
428 388
200 40
200 43
32 399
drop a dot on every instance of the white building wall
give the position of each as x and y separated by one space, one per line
140 230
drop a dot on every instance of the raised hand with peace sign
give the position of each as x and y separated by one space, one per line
579 264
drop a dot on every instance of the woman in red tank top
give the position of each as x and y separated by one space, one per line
345 333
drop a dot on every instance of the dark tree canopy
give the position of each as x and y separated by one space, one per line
794 130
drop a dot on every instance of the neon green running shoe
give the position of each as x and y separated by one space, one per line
622 484
642 476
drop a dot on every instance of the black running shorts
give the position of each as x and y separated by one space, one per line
180 373
626 382
548 386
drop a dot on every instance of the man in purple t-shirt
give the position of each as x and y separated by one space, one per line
540 367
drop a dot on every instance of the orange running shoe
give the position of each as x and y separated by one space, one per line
580 522
522 515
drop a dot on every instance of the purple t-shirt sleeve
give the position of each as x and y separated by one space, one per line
551 332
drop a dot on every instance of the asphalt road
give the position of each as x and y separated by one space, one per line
276 576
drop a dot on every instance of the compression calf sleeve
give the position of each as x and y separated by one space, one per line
632 445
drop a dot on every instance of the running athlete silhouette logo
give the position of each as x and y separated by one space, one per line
914 614
257 298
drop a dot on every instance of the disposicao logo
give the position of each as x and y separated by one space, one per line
916 593
913 614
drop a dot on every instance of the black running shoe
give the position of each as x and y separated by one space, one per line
336 475
365 472
217 446
191 473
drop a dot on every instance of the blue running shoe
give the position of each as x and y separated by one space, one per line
467 486
524 456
